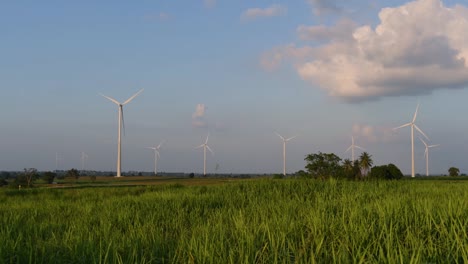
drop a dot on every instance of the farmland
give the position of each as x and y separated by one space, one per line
238 221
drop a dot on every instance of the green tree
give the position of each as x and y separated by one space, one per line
323 165
386 172
27 177
348 169
365 162
454 171
73 173
49 176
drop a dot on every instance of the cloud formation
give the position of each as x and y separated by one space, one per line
254 13
198 117
416 48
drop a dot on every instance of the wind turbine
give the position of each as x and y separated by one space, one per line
413 126
121 125
284 151
426 154
156 156
84 157
205 147
352 148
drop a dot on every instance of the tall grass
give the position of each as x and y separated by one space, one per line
265 221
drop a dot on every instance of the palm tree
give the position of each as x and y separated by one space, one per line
365 162
348 168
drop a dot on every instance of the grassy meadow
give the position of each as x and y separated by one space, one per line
241 221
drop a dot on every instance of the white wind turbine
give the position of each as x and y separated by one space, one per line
156 156
205 147
284 150
426 154
352 148
121 125
413 126
84 157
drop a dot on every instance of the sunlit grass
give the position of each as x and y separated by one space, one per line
256 221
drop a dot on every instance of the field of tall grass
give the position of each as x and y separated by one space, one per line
256 221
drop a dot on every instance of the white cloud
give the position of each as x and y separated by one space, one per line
198 117
418 47
209 3
321 33
254 13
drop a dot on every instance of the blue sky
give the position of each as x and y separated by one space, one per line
322 70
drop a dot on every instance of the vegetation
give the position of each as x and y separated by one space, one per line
49 176
386 172
248 221
454 171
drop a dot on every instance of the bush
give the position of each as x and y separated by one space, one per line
386 172
49 176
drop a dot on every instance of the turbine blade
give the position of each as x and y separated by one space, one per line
123 122
157 153
415 114
209 149
423 142
432 146
348 148
200 146
133 96
420 131
290 138
279 136
405 125
160 144
425 152
111 99
150 148
207 136
356 146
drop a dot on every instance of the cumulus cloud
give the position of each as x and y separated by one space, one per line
416 48
373 134
198 117
321 33
209 3
254 13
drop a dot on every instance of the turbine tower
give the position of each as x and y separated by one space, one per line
121 125
352 148
84 157
426 154
413 126
156 156
205 147
284 151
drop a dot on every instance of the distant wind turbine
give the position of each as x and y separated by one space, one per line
352 148
205 147
121 125
284 150
57 159
84 157
413 126
156 156
426 154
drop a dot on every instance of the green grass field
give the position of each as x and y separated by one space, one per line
240 221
